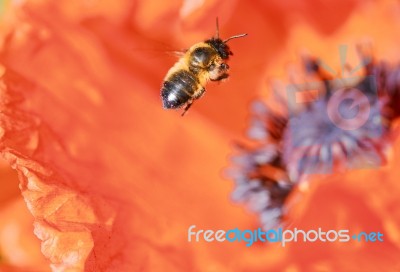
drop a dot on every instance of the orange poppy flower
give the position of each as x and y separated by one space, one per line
113 181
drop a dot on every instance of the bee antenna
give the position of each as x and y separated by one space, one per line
217 31
235 37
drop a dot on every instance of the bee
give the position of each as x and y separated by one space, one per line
203 62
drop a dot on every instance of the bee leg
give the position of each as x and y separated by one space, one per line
199 94
189 104
221 77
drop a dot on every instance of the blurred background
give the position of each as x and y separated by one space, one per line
110 181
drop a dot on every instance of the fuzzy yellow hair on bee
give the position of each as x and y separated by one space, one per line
203 62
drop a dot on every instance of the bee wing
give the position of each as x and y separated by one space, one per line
177 54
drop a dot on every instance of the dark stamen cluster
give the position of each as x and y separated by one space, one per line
307 140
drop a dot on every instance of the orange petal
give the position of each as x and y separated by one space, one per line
19 248
98 158
112 180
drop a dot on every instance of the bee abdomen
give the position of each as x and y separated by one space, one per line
178 89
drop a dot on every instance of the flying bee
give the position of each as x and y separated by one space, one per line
186 80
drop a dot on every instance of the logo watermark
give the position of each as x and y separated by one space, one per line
339 111
281 236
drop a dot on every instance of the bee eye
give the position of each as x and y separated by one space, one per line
224 66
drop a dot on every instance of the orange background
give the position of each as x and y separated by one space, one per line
112 181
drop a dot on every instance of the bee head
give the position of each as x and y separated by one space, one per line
220 45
